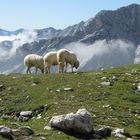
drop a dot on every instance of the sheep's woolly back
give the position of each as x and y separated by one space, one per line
65 55
50 58
34 60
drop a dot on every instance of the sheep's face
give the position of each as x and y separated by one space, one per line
76 64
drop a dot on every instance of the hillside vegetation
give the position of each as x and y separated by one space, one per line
116 105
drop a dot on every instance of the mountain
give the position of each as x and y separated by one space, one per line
8 33
109 39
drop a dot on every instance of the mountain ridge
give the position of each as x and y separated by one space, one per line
121 24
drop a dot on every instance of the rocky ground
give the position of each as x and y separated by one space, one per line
102 104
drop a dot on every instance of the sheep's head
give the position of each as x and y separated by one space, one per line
76 64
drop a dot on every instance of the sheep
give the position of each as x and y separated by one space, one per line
34 60
65 57
50 59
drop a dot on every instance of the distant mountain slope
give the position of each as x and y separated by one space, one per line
121 24
8 33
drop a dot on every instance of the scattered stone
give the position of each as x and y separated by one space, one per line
105 83
114 78
58 90
42 138
59 133
26 131
4 129
25 115
99 73
39 116
106 106
137 136
6 132
129 139
103 78
79 122
33 84
128 74
16 132
14 77
68 89
138 87
47 128
118 133
89 94
104 132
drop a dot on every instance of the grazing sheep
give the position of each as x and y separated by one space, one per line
50 59
65 57
34 60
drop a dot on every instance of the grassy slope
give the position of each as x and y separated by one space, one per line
88 93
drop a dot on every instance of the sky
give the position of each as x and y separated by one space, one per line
59 14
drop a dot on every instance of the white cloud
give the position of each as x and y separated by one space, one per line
18 40
103 53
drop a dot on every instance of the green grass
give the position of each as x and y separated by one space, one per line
19 94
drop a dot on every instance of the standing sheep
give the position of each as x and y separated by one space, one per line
65 57
34 60
50 59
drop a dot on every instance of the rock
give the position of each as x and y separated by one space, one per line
106 106
6 132
4 129
25 115
16 132
105 83
68 89
47 128
137 135
26 131
39 116
79 122
138 88
33 84
118 133
104 132
42 138
129 139
103 78
58 90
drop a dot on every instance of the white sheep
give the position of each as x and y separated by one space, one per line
65 57
34 60
49 60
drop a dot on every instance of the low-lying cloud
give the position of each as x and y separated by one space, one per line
17 41
103 53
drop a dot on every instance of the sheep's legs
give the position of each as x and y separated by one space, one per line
61 66
45 70
28 71
49 70
72 68
42 71
58 68
35 70
66 67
